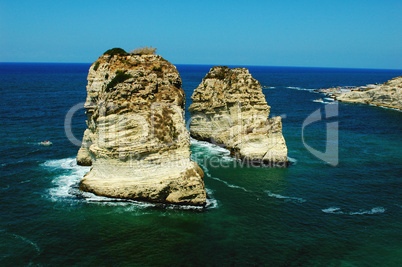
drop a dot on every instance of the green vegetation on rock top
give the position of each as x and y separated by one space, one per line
116 51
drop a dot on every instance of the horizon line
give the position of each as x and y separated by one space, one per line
229 65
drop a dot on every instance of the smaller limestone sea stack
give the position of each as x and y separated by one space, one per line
229 108
137 141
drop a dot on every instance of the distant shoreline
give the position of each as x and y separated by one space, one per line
388 94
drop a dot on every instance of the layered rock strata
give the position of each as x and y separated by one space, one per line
136 140
388 94
229 108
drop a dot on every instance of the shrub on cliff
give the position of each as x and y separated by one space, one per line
144 51
157 68
116 51
96 66
119 78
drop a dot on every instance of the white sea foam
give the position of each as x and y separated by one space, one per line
67 163
72 174
333 210
396 109
374 210
230 185
206 152
210 148
107 201
292 160
300 88
320 101
36 247
212 202
205 169
133 205
66 188
336 210
286 198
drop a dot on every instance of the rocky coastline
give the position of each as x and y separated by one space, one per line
388 94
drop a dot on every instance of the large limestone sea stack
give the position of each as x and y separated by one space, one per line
229 108
136 139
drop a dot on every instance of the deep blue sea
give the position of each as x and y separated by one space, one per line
310 214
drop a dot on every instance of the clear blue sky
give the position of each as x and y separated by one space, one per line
316 33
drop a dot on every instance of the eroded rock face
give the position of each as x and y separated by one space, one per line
136 139
388 94
229 108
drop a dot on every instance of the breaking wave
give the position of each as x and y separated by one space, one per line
67 182
71 174
202 149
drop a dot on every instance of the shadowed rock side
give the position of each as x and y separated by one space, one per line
136 139
229 108
388 94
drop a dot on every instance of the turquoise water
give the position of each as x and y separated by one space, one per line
310 214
